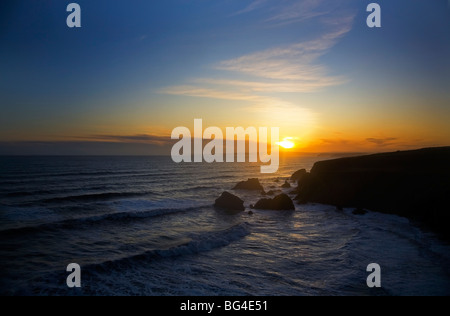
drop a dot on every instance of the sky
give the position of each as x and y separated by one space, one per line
138 69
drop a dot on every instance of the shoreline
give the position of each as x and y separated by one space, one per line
413 184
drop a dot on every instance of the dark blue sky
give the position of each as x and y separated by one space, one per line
145 67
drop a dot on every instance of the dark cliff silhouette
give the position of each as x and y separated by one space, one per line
414 184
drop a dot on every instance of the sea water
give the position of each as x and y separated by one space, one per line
147 226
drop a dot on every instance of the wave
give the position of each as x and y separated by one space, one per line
98 197
197 188
67 174
201 243
100 219
78 176
26 193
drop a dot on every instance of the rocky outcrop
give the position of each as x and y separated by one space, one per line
359 211
250 184
298 175
271 192
281 202
229 202
414 184
286 185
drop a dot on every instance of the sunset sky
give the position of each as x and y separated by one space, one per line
138 69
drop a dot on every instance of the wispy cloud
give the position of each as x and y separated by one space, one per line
282 12
206 92
278 86
140 138
293 68
90 146
256 4
295 64
367 144
382 142
256 77
299 10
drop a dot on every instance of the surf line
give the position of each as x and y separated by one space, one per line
236 138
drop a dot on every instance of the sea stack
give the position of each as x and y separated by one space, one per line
281 202
229 202
250 184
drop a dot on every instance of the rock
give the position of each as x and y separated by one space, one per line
271 192
250 184
359 211
229 202
301 178
250 213
286 185
281 202
304 186
264 204
298 175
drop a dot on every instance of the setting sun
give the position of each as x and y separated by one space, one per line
287 143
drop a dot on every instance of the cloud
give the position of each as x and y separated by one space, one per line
300 10
140 138
278 111
256 4
336 141
290 69
361 144
259 78
282 12
204 92
382 142
295 64
88 147
276 86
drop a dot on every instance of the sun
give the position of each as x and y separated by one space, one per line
287 143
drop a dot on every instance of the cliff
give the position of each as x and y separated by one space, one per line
414 184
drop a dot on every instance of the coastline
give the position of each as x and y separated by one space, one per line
413 184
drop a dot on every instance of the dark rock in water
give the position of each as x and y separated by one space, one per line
298 175
229 202
250 213
303 188
281 202
252 206
286 185
271 192
359 211
414 184
250 184
301 180
264 204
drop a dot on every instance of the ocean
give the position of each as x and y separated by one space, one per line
147 226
